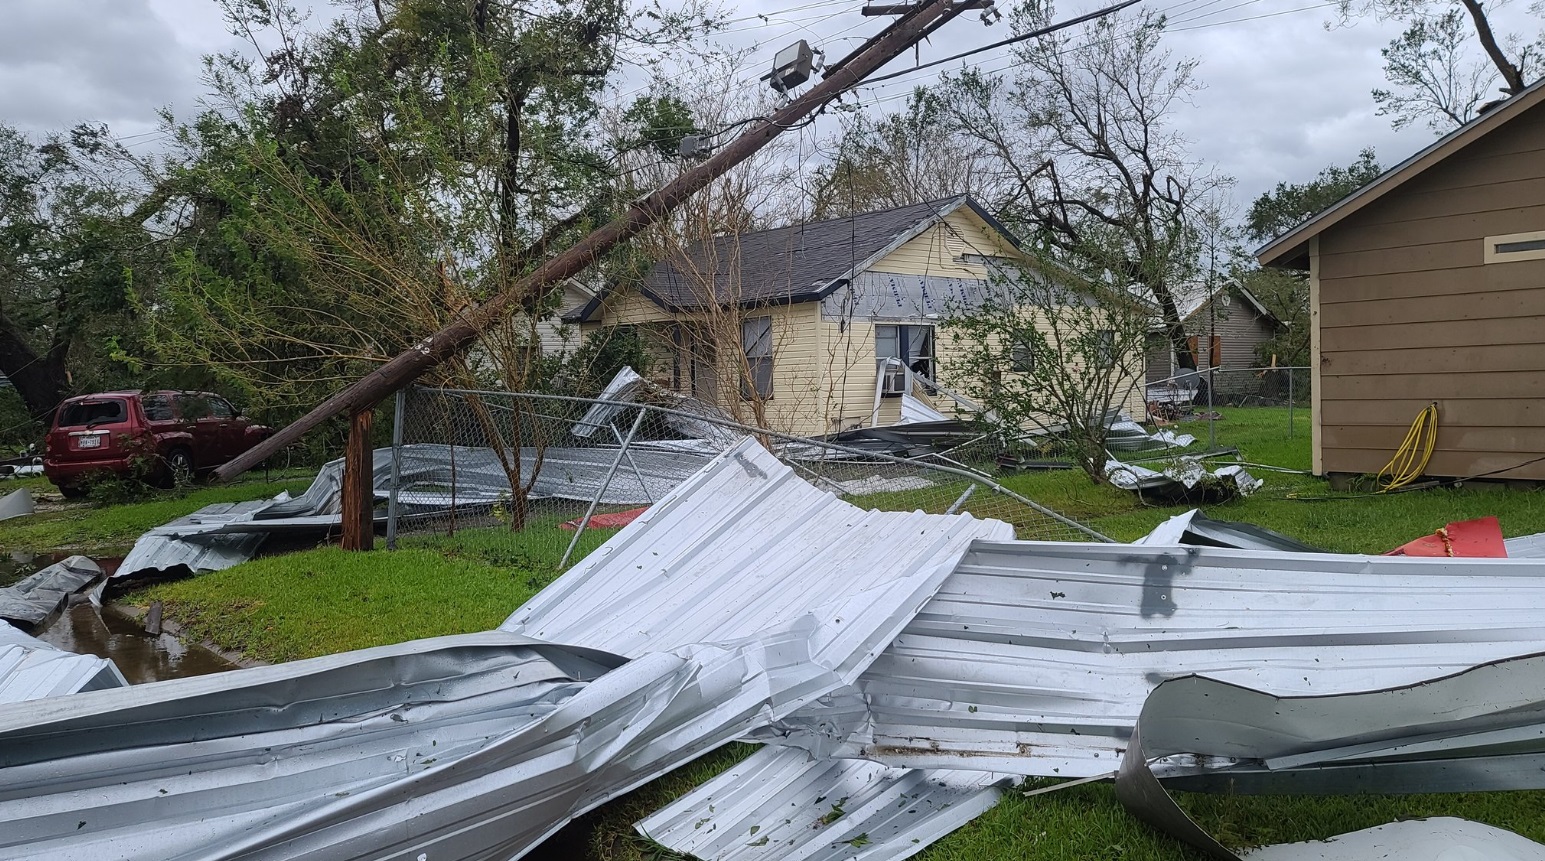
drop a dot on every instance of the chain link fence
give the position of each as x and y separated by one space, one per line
544 479
1197 396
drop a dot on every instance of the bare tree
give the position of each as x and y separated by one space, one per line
1437 74
912 156
1099 179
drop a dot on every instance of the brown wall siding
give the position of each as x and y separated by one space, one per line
1410 314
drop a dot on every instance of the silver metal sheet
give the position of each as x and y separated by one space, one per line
1441 838
1526 547
31 669
16 504
1198 530
434 478
780 805
481 746
747 544
38 595
1035 658
1479 729
1184 478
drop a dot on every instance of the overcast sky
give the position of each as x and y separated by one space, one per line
1284 96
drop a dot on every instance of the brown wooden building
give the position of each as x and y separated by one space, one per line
1428 285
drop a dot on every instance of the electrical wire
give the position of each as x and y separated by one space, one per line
1414 452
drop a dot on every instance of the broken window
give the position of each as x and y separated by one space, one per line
756 343
912 346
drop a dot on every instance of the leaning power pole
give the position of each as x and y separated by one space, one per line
914 25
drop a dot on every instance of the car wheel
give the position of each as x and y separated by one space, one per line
72 491
179 466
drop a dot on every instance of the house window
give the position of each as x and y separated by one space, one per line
1515 246
1105 348
1022 357
1214 351
756 342
912 346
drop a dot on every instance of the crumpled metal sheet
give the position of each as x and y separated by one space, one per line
1440 838
766 808
16 504
1035 658
481 746
1482 728
1186 478
627 389
40 594
31 669
1198 530
747 543
1128 435
434 478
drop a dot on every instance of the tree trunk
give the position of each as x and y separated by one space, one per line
39 378
1174 329
1511 75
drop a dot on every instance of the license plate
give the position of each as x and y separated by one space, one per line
92 441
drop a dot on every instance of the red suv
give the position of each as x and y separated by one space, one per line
154 435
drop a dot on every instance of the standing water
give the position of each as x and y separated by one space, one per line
109 633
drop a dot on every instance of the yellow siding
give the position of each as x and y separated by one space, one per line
937 250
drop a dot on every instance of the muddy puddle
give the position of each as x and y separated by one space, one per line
110 633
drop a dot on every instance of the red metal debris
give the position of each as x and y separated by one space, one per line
1480 538
614 520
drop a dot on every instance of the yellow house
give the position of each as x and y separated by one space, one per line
806 329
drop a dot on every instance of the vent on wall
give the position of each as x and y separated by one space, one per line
1515 246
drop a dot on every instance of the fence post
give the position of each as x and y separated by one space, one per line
1212 417
605 483
391 497
358 496
1290 403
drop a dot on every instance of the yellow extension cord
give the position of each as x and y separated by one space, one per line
1415 451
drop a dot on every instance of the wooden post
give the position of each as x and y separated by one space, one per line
359 530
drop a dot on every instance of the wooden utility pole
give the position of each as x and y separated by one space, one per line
370 389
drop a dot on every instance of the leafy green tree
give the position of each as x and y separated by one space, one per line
75 251
1291 204
1052 352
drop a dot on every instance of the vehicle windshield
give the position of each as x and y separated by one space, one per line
93 412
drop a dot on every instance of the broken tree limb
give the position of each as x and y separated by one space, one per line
409 365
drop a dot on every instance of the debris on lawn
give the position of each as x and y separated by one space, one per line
1185 479
1475 730
1480 538
1441 838
741 597
1197 529
1128 435
39 595
225 534
609 520
31 669
16 504
1526 547
901 670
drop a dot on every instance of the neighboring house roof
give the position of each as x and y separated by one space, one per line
1292 248
797 263
1191 298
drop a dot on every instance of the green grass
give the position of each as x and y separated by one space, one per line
326 600
84 527
1298 505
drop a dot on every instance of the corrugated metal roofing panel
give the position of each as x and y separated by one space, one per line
31 669
481 746
713 565
780 805
37 596
1035 658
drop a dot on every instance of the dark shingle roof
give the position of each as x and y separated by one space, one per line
785 264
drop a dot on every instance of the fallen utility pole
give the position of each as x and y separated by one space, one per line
408 366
